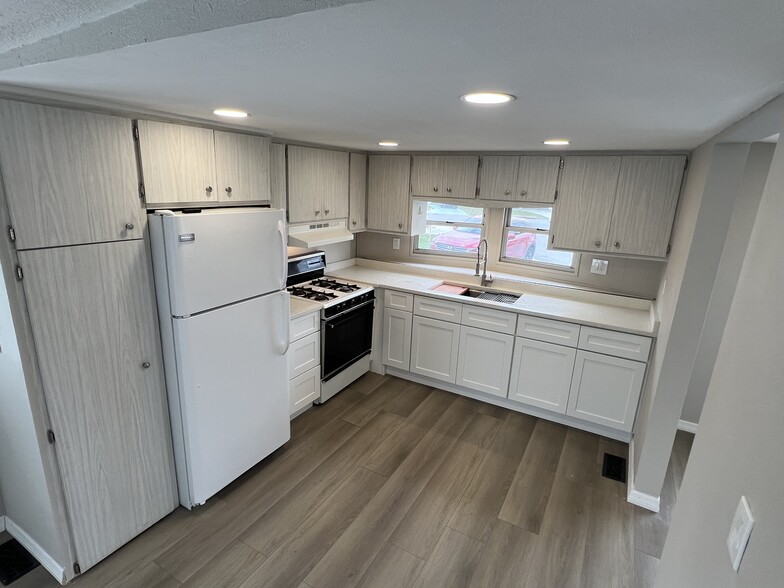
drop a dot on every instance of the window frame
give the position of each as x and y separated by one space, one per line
507 217
452 225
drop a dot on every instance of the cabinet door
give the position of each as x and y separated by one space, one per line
485 361
605 390
303 355
178 163
93 316
357 191
70 176
333 178
243 167
304 389
498 178
537 178
458 176
581 218
397 338
426 176
541 374
278 176
434 349
388 188
304 184
648 188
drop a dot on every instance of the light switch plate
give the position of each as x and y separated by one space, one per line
396 243
599 266
740 531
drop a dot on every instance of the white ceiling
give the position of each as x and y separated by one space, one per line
609 74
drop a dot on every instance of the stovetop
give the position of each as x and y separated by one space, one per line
328 291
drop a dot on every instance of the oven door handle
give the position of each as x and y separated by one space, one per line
331 322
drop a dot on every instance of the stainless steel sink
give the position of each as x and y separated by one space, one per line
502 297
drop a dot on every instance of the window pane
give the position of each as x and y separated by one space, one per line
440 212
528 246
454 240
532 218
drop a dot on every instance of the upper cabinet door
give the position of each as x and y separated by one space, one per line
243 167
357 191
648 188
458 179
333 180
581 219
426 176
178 163
537 178
304 187
70 176
388 190
278 176
498 179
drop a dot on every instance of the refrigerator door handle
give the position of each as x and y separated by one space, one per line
283 259
284 345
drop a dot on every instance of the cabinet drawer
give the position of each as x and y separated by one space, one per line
304 389
487 318
304 355
399 300
443 310
614 343
548 331
304 325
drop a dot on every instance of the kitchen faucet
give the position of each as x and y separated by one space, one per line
486 278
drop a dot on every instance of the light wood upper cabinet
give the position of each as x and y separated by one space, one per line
178 163
581 219
357 191
70 176
445 176
645 203
317 184
278 176
184 164
388 208
242 163
525 178
92 310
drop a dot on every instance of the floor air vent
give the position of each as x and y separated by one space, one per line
614 467
15 562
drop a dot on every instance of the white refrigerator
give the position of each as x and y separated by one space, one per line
220 278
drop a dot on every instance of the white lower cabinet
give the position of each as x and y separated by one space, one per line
304 360
304 355
605 390
485 360
397 338
541 374
305 388
434 349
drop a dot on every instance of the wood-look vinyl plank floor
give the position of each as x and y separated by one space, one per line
394 484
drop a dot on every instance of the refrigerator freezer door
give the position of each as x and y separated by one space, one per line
234 390
219 257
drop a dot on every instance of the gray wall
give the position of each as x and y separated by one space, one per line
738 449
741 224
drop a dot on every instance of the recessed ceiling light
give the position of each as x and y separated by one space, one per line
487 98
388 143
557 142
230 112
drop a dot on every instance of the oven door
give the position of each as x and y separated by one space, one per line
345 339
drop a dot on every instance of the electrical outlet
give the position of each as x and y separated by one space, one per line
396 243
599 266
740 530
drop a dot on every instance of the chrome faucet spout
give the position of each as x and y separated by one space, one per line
486 278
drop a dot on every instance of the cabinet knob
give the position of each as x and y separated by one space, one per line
316 212
128 226
146 365
228 190
326 211
617 243
353 222
399 225
597 243
208 189
507 193
435 188
523 193
449 190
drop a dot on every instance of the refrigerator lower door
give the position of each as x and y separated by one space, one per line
233 390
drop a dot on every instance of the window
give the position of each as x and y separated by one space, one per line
527 235
451 229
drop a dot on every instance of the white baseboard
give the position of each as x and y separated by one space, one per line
633 496
687 426
46 560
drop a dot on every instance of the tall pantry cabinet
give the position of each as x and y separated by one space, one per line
76 234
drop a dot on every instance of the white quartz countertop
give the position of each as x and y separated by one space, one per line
301 307
584 311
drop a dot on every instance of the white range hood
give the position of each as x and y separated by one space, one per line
319 234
